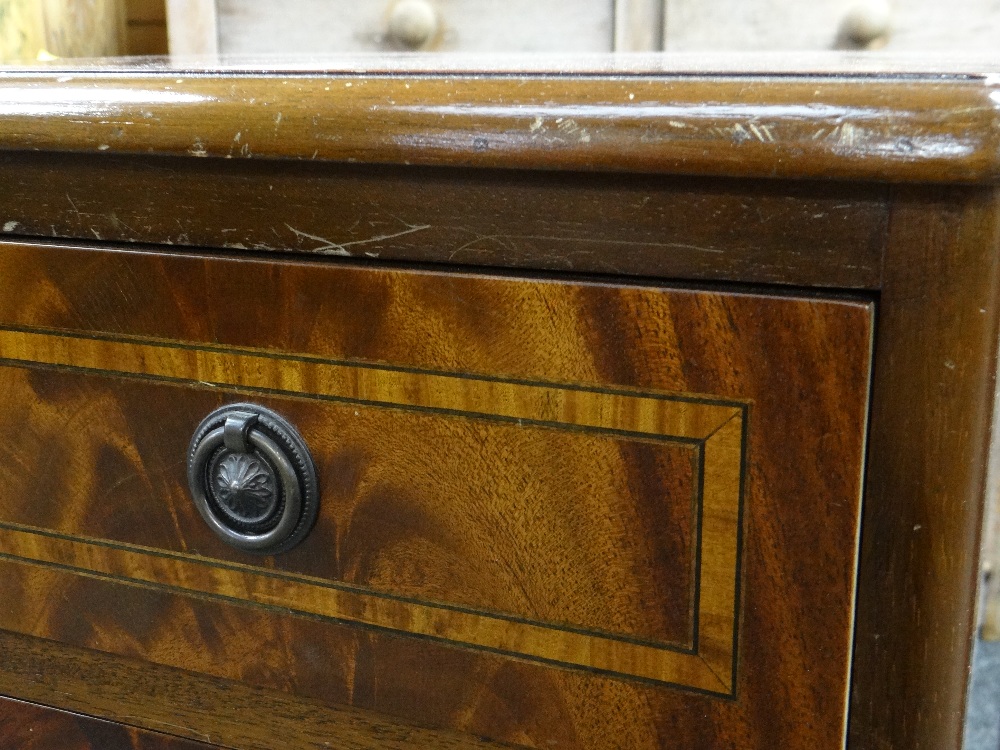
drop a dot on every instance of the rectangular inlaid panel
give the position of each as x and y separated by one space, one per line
554 513
579 606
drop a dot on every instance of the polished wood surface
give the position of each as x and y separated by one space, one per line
936 128
933 393
487 452
645 607
27 726
800 233
144 694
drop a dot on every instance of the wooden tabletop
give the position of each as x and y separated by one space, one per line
843 116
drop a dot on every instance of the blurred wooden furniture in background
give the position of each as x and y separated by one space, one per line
38 29
324 26
32 30
147 27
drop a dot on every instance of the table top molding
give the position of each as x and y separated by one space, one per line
920 127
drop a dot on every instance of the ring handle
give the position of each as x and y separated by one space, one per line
252 479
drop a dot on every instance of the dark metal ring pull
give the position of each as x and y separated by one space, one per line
252 479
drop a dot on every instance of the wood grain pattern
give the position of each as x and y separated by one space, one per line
795 621
805 234
686 418
932 399
923 129
715 428
142 694
612 586
287 594
27 726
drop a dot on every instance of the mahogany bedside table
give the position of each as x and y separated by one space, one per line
411 404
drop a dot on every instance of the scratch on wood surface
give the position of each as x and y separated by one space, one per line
76 211
148 723
762 132
509 238
119 224
845 134
330 247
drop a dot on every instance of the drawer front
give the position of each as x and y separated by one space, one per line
555 513
924 26
318 26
